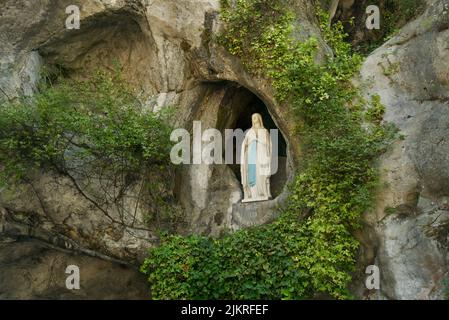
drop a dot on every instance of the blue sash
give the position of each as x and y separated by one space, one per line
252 160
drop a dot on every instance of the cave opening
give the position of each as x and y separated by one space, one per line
236 110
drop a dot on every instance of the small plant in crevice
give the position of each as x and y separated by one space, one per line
446 288
376 111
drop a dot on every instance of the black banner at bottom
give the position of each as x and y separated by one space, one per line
179 310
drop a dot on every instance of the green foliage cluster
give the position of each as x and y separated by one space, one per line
309 250
446 288
97 122
375 113
394 15
260 32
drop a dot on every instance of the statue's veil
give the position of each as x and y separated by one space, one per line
259 117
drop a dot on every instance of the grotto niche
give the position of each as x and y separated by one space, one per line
212 194
236 110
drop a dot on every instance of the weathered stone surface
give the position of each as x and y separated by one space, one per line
409 72
50 208
30 269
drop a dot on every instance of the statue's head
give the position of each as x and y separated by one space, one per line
257 121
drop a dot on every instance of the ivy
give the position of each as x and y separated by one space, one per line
309 251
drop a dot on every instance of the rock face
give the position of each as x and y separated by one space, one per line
32 270
410 220
166 50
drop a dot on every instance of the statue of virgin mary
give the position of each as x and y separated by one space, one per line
255 165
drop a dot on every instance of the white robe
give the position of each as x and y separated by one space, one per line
261 191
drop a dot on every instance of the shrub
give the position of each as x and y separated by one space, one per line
94 131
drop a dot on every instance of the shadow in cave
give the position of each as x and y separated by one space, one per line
236 110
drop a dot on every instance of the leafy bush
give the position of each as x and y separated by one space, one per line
309 250
93 131
98 120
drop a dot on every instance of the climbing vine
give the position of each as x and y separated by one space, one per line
309 251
